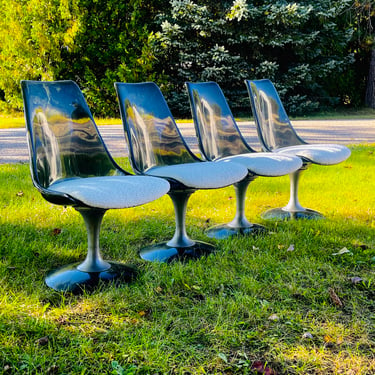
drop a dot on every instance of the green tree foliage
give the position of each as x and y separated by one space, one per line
305 46
113 44
34 34
94 42
301 46
362 17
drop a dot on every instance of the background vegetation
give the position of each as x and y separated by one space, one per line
317 52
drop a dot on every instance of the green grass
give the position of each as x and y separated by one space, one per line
255 302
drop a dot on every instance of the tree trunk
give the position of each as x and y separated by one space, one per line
370 89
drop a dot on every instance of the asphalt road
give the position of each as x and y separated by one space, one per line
13 146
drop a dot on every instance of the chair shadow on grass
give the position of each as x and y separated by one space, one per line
39 249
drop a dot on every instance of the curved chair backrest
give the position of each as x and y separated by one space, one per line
273 124
63 139
216 129
152 134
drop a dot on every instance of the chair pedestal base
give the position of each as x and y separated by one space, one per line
70 279
239 226
162 252
224 231
282 214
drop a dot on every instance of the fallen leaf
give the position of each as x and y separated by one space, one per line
20 193
344 250
223 357
356 279
261 368
280 246
327 338
335 298
307 335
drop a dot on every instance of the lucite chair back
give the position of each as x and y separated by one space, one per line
273 124
220 139
217 132
62 136
70 165
158 149
152 135
277 134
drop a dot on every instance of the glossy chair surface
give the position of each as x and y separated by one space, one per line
220 139
277 135
70 165
158 149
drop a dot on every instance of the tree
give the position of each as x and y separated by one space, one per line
34 35
94 42
114 43
299 45
364 17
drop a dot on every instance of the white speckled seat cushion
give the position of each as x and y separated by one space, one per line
267 164
202 175
325 154
113 191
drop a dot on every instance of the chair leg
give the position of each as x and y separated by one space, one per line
294 205
181 246
293 210
240 225
180 238
94 261
79 276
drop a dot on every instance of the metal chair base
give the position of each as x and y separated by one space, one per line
282 214
162 252
70 279
224 231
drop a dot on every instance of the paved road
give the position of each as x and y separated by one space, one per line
13 147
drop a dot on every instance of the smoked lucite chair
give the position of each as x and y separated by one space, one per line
158 149
220 139
70 165
278 136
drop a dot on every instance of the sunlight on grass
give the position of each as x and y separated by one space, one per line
258 301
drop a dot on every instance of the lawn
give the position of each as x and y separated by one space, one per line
299 300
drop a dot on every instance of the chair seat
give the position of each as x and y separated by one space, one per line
267 164
113 191
324 154
202 175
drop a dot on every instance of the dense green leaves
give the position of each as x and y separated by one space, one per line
301 46
314 51
34 34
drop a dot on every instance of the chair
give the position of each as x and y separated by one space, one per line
220 139
158 149
277 135
70 165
